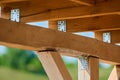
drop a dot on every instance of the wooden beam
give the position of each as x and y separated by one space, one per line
93 70
54 66
93 65
10 1
114 35
28 37
83 2
53 25
110 7
115 74
101 23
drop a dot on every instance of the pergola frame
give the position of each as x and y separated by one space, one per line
81 15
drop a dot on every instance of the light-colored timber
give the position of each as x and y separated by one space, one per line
83 2
93 70
101 23
28 37
10 1
34 12
115 74
54 66
115 35
93 64
81 15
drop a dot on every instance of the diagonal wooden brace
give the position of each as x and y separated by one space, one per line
115 74
54 66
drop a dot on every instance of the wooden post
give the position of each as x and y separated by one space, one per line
83 74
93 70
54 66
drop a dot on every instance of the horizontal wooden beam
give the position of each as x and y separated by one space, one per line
110 7
83 2
28 37
10 1
101 23
115 35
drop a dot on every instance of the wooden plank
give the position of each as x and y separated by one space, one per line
106 8
53 25
83 2
54 66
115 74
59 11
28 37
101 23
35 7
93 70
114 35
10 1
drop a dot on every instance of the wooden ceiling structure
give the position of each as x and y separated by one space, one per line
98 16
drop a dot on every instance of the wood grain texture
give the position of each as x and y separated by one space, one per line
93 70
10 1
83 2
35 7
54 66
82 74
115 35
115 74
39 10
28 37
101 23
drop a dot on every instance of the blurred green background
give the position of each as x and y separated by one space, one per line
16 64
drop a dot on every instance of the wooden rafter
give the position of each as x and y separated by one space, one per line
101 23
106 8
83 2
109 7
115 35
10 1
24 36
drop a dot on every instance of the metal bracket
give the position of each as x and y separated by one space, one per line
62 26
107 37
84 63
15 15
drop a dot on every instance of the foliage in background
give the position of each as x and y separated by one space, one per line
26 66
22 60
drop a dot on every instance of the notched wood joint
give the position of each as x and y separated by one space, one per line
48 50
